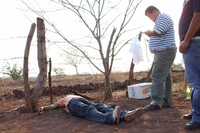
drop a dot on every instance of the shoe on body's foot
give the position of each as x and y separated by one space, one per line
187 116
132 115
152 106
192 125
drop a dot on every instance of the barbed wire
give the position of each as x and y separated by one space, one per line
13 37
12 58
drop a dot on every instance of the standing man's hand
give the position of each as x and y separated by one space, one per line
148 33
184 46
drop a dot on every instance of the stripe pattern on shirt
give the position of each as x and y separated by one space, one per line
165 27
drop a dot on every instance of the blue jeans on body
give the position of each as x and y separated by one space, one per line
192 67
161 76
93 111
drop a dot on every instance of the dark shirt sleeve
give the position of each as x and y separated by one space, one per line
196 5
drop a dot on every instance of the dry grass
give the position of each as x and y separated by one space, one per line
7 85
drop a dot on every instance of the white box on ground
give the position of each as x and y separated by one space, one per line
139 91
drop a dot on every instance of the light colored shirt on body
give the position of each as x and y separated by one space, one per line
63 102
68 98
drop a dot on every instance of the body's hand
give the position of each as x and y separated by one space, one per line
47 108
184 46
41 110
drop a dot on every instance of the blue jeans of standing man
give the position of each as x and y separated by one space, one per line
192 67
97 112
161 76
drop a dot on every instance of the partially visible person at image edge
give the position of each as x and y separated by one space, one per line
189 32
162 45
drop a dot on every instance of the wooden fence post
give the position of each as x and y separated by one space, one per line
42 63
25 67
49 77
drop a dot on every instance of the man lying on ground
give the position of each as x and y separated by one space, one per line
94 111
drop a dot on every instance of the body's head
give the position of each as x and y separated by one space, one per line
152 13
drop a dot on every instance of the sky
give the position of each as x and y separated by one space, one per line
16 21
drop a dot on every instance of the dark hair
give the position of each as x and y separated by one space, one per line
151 9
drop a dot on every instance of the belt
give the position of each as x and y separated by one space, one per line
80 99
196 38
160 50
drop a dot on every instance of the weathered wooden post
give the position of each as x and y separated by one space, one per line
25 68
131 73
42 63
149 73
32 96
49 79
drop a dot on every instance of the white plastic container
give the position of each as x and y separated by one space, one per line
139 91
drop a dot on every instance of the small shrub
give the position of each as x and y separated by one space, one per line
188 92
13 71
58 71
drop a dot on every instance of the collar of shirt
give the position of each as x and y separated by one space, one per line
185 2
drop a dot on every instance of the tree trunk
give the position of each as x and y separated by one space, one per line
131 73
49 79
76 68
149 73
107 87
25 68
42 63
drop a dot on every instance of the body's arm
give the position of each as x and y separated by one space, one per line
193 28
61 103
48 107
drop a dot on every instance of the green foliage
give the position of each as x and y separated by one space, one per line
58 71
188 93
177 67
13 71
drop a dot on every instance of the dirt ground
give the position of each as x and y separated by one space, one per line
163 121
